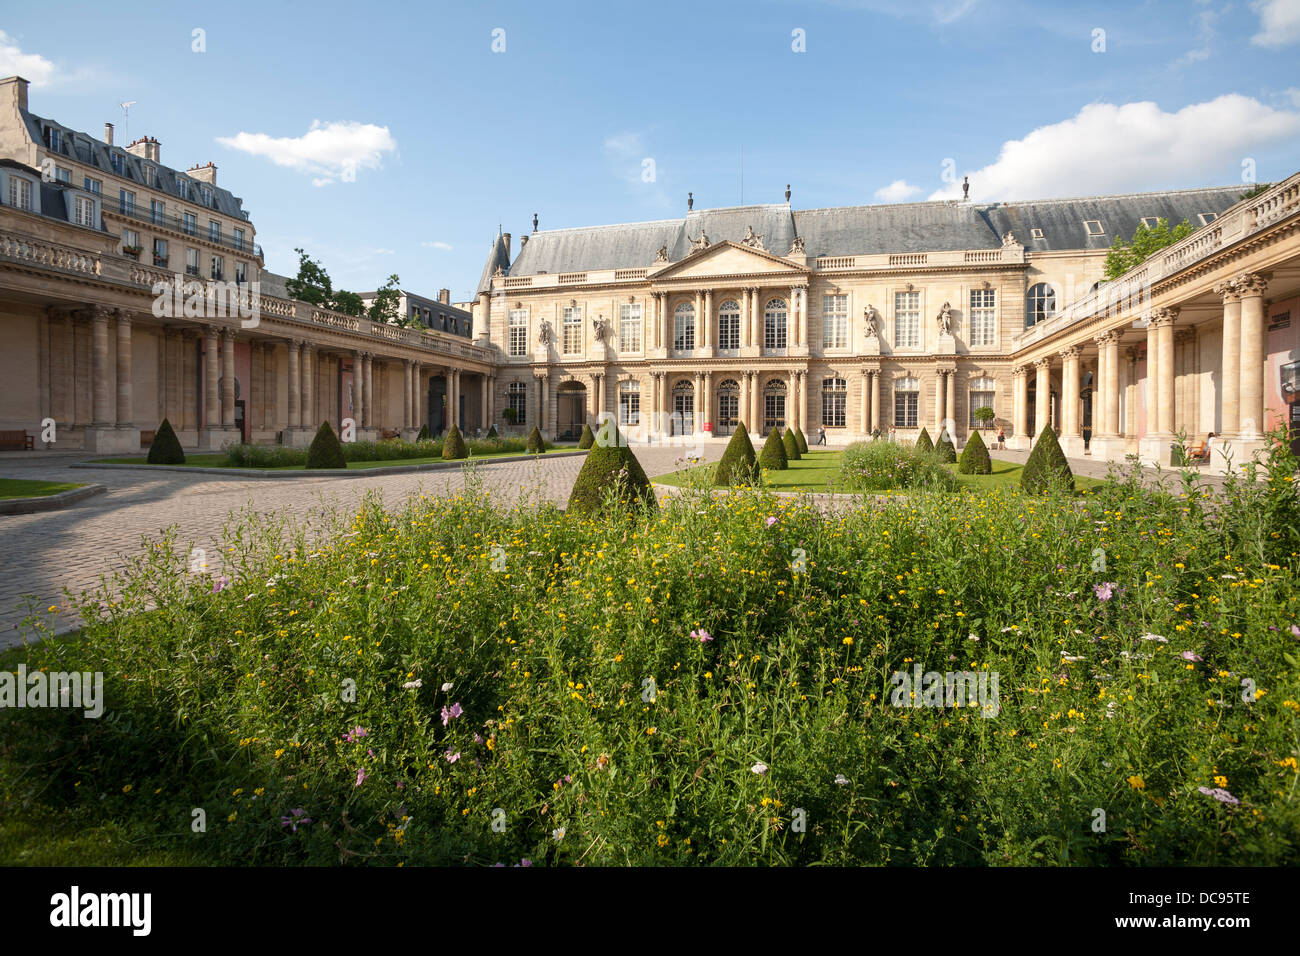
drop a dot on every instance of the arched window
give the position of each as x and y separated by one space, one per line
907 402
774 404
835 400
1040 304
729 326
629 402
684 327
983 392
683 408
518 400
774 324
728 406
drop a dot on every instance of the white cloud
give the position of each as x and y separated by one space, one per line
32 66
897 191
952 11
328 152
436 245
1206 22
1136 146
1279 22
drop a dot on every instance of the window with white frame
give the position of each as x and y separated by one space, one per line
835 321
684 327
629 327
835 401
729 326
239 238
728 403
190 224
63 174
572 330
517 398
775 324
116 160
241 272
83 211
983 392
518 332
629 403
160 257
183 188
907 402
130 239
95 186
191 262
126 201
907 320
982 316
157 211
214 231
218 267
20 192
1040 303
151 176
54 137
683 408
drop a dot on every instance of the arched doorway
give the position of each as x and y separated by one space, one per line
774 393
683 418
728 407
571 410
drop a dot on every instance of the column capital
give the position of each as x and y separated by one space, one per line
1185 334
1071 352
211 331
1044 362
1132 353
1165 316
101 312
228 334
1228 290
1251 283
122 315
1107 338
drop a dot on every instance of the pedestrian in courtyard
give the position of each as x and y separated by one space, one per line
821 434
1002 437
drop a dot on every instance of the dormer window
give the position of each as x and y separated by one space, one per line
1035 233
116 160
207 195
151 176
1150 222
182 188
54 139
1207 217
1094 227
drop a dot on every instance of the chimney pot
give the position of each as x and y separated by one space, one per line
108 133
506 236
444 296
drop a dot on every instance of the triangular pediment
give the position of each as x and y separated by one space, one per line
728 258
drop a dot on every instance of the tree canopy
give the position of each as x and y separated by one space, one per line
1123 256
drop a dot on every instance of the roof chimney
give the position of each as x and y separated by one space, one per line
204 174
146 147
17 91
444 296
108 133
523 241
506 237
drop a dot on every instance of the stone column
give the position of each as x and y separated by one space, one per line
707 342
939 393
1071 434
864 422
1164 323
1230 357
212 372
100 417
295 384
368 361
950 404
358 389
483 419
796 318
310 416
744 319
875 398
1251 288
758 320
1042 397
123 369
1020 406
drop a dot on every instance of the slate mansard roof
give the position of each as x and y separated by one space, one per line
862 230
93 152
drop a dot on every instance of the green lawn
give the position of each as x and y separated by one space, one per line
27 488
819 471
219 461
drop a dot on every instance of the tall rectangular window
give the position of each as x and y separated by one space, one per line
83 211
192 262
684 327
151 176
218 267
116 160
130 240
95 186
157 212
907 404
183 188
729 326
907 320
214 231
629 403
241 272
982 312
774 325
835 322
239 239
20 192
126 201
190 224
835 400
629 328
518 400
518 332
160 252
572 324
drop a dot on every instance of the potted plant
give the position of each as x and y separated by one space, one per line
510 415
132 251
984 415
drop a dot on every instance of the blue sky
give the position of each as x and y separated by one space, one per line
393 137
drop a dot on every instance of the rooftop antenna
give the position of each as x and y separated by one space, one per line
742 174
126 118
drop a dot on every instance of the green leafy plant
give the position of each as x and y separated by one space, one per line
738 465
536 444
587 439
611 479
791 446
924 442
802 442
1047 467
772 457
453 445
1124 256
325 450
974 458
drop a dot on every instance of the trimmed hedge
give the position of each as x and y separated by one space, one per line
974 458
453 446
1047 465
773 454
923 441
803 442
325 450
945 450
587 439
738 465
536 445
424 433
610 469
791 446
492 434
166 448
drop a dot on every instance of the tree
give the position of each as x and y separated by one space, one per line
974 458
803 442
610 469
166 448
772 456
1124 256
924 442
738 464
510 415
984 415
1252 193
492 433
453 446
587 439
424 433
1046 465
791 446
945 449
387 303
349 303
325 450
312 284
536 444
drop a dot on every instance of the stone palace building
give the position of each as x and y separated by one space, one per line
130 291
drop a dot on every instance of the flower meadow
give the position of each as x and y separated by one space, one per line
706 683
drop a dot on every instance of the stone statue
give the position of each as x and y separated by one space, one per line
1008 238
945 320
751 240
600 328
965 187
796 247
545 335
700 243
662 254
869 322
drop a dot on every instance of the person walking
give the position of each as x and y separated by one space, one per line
1002 437
821 434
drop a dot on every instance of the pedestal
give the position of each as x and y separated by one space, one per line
1073 446
1156 449
215 439
111 440
1109 448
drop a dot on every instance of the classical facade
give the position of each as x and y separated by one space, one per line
131 292
877 318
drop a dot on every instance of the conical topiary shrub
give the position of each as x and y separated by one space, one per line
587 439
610 468
803 442
791 446
1046 466
325 450
492 433
535 444
945 449
738 465
974 458
923 442
424 433
453 446
772 456
166 448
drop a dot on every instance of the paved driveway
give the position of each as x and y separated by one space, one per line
41 554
